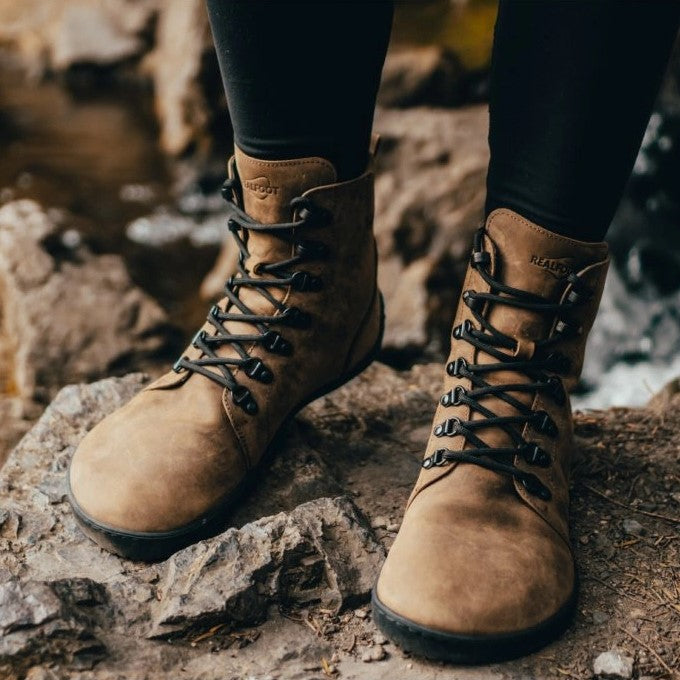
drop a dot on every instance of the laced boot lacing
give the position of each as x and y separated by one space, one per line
278 275
537 369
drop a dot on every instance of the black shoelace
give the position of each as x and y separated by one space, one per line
278 275
537 369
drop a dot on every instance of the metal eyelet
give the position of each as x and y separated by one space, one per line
242 397
456 368
535 455
199 337
177 366
471 300
273 342
453 397
311 249
295 318
480 258
543 423
256 369
304 281
435 460
448 428
535 487
556 390
465 327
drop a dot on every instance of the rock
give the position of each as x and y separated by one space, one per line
36 622
379 523
599 617
67 315
64 33
87 33
416 76
318 552
632 527
613 664
288 584
430 191
182 37
63 599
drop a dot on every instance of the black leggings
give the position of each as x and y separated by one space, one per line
572 87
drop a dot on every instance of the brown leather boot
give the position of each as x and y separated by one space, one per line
482 567
302 316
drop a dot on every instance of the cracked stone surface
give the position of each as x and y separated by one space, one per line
284 592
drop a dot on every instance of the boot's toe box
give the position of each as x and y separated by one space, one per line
152 467
485 572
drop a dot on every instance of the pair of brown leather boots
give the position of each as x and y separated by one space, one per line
482 567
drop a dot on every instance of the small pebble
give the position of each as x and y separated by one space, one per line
676 497
600 617
394 527
377 653
379 523
361 613
380 639
71 239
613 664
632 527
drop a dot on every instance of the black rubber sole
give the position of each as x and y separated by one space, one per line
155 546
469 649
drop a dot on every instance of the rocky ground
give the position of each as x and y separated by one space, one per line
84 294
284 593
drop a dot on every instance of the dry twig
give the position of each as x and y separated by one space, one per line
667 668
656 515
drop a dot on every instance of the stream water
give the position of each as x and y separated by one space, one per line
91 152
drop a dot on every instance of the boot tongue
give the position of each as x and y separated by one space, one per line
537 261
269 186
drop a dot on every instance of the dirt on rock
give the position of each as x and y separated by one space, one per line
284 594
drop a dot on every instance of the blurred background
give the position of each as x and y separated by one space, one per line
113 139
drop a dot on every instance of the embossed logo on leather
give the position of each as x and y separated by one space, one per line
559 267
261 187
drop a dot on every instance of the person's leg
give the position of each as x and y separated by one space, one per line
300 315
481 567
572 89
301 78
